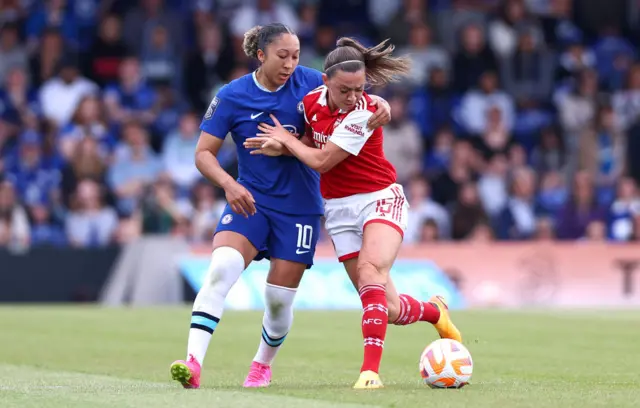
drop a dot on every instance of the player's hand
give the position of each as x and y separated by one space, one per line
277 132
382 116
240 199
265 146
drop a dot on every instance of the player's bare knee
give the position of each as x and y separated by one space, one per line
285 273
370 274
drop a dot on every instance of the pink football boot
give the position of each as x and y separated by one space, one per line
187 373
259 376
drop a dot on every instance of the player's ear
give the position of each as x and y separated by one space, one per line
325 79
261 56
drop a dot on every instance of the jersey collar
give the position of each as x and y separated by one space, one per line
322 100
262 88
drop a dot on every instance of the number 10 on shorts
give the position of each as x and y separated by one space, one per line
305 237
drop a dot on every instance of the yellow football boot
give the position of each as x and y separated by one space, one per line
368 380
445 326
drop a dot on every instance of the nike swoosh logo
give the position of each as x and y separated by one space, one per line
255 116
299 252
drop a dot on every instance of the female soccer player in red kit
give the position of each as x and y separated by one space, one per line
365 209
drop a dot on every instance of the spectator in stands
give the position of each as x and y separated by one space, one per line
44 229
207 210
495 138
601 152
46 59
60 95
445 186
614 54
455 17
558 27
134 168
402 141
107 52
205 68
424 55
130 98
160 212
475 107
435 110
177 154
549 154
263 12
581 209
527 73
503 31
577 110
492 185
160 62
19 104
552 194
437 159
423 208
89 121
626 102
12 53
313 55
429 231
468 215
624 210
473 60
14 224
140 21
168 108
411 13
35 179
517 221
575 59
85 163
52 14
90 222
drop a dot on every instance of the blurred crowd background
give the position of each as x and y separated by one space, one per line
521 119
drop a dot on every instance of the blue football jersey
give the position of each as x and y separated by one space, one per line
280 183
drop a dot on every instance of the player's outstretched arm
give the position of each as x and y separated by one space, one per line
321 160
238 197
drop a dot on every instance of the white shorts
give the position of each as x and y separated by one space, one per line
346 218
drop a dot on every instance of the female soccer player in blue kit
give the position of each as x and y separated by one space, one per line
275 206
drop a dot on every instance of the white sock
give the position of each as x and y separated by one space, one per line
276 323
224 270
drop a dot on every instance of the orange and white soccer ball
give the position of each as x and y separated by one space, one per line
446 363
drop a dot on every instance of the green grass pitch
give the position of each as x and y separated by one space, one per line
55 357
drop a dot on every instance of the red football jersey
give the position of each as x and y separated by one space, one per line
366 170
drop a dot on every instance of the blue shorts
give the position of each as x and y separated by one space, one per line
275 234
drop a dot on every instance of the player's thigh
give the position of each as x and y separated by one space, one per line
245 235
292 245
384 223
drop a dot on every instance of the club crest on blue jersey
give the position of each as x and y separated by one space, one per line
300 107
227 219
212 108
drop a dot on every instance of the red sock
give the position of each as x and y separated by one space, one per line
413 310
374 325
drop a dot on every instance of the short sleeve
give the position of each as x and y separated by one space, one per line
218 118
352 133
